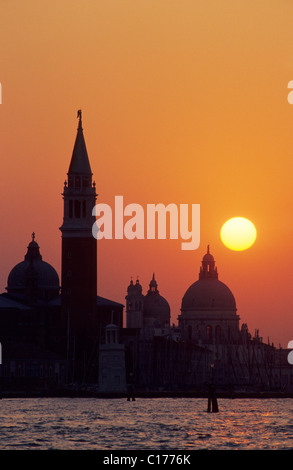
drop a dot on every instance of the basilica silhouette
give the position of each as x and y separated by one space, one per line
67 338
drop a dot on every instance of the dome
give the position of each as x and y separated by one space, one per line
155 305
156 309
35 273
208 293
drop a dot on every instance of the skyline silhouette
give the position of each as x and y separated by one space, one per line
183 104
72 340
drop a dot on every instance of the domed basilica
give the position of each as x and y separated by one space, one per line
208 311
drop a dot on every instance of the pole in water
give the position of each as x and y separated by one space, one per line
212 399
130 389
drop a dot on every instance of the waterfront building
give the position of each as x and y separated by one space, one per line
112 372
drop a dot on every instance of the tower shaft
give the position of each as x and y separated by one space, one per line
79 247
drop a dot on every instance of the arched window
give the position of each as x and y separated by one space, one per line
84 209
77 209
189 332
209 334
85 181
71 208
218 334
229 334
197 332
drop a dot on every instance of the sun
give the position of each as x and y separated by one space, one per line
238 233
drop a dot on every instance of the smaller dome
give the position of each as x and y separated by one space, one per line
156 309
33 274
156 305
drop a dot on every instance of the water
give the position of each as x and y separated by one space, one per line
161 424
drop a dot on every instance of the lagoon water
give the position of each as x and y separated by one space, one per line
156 423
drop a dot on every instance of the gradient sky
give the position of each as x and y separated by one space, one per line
183 101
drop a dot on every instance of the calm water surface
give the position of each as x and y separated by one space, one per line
175 423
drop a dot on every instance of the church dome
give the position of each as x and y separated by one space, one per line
33 274
208 293
156 309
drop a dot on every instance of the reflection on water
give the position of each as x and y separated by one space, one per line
158 423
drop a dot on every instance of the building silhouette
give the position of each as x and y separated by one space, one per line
62 336
208 343
146 312
112 372
208 310
50 333
209 319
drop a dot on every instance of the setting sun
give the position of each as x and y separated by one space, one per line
238 233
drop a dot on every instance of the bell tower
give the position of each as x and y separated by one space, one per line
79 247
134 305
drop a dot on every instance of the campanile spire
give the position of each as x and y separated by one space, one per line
80 164
79 247
79 191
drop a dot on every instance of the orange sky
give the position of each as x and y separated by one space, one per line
183 101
